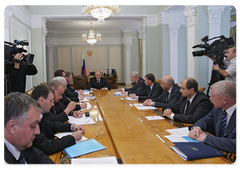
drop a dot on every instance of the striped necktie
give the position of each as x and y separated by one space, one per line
224 123
22 158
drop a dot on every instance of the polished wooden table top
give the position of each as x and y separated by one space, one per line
128 138
136 141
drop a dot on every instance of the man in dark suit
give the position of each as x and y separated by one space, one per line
98 82
55 115
21 118
169 95
138 86
153 89
46 141
221 120
191 106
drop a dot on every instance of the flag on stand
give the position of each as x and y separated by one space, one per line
83 64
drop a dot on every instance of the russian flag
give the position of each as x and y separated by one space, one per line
83 64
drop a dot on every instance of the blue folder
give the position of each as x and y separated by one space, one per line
196 150
83 148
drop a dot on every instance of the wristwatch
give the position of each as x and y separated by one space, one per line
217 69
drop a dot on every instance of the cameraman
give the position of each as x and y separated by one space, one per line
229 63
17 73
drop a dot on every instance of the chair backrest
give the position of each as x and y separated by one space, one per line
158 81
79 83
201 89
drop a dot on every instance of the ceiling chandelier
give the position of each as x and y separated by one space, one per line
91 38
100 11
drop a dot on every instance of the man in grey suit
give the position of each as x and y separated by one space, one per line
170 94
138 86
221 121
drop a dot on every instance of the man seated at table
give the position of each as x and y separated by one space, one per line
138 86
169 96
59 72
98 82
191 106
21 118
64 101
45 141
74 95
153 89
221 121
56 115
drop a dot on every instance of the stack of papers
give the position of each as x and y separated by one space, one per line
129 98
60 135
154 117
90 97
83 148
83 120
140 106
118 94
179 135
105 160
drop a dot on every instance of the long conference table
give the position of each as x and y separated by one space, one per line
129 136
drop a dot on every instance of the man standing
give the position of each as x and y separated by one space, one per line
153 89
191 106
138 86
98 82
21 119
169 96
229 63
221 121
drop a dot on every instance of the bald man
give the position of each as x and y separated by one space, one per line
169 95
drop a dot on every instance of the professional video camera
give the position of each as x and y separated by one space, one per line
215 49
11 49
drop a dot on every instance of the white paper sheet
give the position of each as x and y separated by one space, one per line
60 135
89 106
140 106
179 131
175 138
80 121
129 98
154 117
105 160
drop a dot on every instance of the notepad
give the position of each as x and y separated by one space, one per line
83 148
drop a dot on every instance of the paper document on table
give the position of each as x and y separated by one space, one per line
91 97
60 135
118 94
129 98
179 131
80 121
89 106
154 117
105 160
86 92
175 138
140 106
85 99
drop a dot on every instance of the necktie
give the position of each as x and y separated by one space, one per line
21 158
167 98
149 94
98 81
186 106
224 123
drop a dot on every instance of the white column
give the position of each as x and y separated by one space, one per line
173 30
190 14
7 16
128 43
44 34
142 34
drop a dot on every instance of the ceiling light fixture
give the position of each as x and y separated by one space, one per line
91 38
101 11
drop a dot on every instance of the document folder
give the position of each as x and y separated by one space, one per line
195 150
83 148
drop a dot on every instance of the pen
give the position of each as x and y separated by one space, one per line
69 99
160 138
95 133
140 119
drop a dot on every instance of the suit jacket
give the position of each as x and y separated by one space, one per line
137 87
46 141
54 117
156 91
32 156
212 121
70 93
174 97
199 108
103 83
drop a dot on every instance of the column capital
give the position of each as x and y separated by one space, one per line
190 14
215 14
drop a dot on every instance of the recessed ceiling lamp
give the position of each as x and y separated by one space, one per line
101 11
91 38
